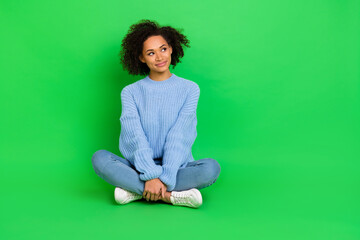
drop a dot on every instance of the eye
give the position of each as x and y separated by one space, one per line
152 52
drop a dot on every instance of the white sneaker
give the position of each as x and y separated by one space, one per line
189 198
123 196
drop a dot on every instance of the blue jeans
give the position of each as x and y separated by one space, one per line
119 172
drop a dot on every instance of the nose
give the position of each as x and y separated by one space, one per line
158 57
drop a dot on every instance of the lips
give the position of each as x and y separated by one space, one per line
161 64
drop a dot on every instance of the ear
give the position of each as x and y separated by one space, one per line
142 58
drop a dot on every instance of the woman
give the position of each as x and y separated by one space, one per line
158 125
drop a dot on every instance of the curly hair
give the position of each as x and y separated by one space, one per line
132 45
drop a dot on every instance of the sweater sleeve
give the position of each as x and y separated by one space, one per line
133 143
180 139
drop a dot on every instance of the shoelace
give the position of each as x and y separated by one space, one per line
133 195
181 197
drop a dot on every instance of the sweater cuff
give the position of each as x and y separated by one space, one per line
145 165
168 177
151 173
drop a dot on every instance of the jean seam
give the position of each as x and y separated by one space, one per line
101 171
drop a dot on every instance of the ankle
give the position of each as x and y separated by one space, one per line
167 197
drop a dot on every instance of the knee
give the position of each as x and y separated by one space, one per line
212 169
98 158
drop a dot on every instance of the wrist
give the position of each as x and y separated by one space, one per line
152 180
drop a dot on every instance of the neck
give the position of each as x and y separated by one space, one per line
160 76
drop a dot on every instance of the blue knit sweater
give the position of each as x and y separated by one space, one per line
158 120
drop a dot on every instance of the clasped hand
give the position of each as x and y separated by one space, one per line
154 189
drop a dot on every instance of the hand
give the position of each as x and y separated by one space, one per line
154 189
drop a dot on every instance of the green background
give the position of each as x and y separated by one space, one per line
279 109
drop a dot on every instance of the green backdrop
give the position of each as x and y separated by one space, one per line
279 109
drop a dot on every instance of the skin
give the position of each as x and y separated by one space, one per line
155 190
156 50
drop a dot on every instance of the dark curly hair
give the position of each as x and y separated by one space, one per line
132 45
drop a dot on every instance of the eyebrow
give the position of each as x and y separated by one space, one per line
153 49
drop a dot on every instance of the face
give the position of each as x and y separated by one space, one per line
156 54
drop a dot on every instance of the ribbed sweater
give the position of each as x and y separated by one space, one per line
158 120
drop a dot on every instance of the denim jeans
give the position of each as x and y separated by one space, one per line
119 172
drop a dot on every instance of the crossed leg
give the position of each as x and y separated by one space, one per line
121 173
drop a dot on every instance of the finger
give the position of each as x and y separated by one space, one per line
155 197
152 197
147 196
145 192
163 192
158 196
